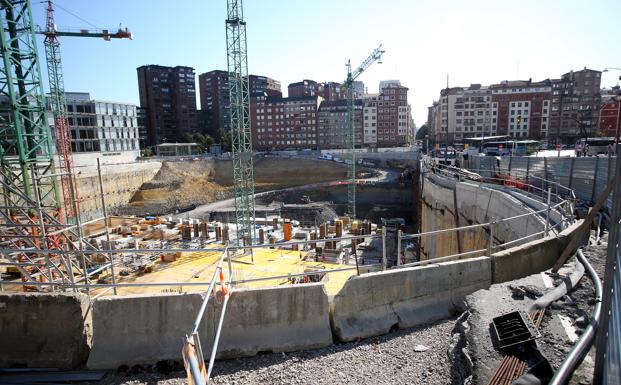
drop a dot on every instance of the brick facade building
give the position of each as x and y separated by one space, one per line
214 97
521 109
610 112
392 115
284 123
559 110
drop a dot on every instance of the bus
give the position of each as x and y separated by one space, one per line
595 147
511 147
474 146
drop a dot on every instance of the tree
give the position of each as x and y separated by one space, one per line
204 141
186 138
224 138
208 140
147 152
422 132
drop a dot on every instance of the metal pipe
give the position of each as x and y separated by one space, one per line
214 349
105 214
547 227
197 377
435 260
575 356
199 316
399 233
383 247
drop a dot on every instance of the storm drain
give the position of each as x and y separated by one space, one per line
514 328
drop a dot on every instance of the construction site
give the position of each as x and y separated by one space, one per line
274 268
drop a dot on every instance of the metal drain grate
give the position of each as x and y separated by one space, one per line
514 328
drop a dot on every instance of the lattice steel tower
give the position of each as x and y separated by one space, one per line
243 174
58 103
350 128
26 156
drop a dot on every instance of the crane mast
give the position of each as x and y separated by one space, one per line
26 156
58 104
350 127
243 174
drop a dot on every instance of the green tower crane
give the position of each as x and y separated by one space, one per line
350 127
243 174
26 156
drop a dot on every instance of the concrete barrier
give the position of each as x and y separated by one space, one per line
372 304
44 330
530 258
147 329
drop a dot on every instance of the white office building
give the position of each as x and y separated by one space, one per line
100 126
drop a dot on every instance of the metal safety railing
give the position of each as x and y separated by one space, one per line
562 206
192 351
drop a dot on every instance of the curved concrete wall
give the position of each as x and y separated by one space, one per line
475 204
373 303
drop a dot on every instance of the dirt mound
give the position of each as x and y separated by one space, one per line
182 185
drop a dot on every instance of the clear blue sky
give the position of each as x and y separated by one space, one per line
472 41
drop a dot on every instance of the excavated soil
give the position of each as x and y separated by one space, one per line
183 185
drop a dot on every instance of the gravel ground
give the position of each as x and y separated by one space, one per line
554 343
388 359
578 306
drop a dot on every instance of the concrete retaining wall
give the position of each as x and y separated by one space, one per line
44 330
147 329
120 183
371 304
530 258
475 204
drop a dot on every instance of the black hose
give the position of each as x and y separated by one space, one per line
574 358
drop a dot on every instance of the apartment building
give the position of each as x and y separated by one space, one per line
284 123
558 110
370 121
392 115
610 112
521 109
575 105
359 89
332 124
215 98
168 97
327 90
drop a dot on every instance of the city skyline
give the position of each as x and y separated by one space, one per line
424 43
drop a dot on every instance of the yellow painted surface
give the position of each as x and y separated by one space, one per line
200 266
